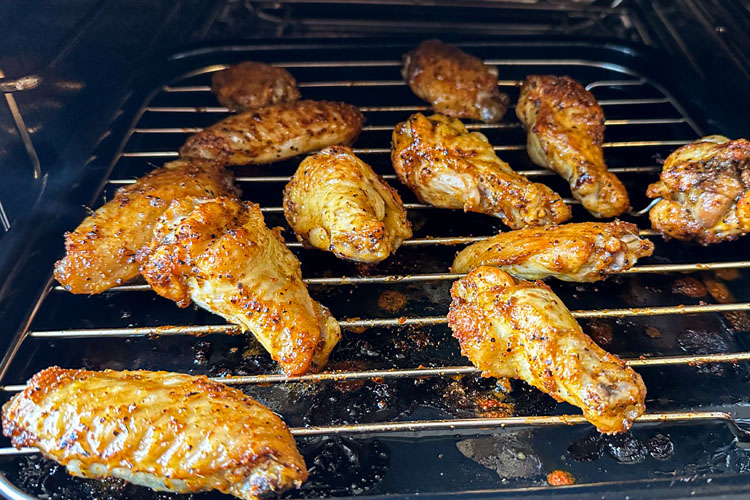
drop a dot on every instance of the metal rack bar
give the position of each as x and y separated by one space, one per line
390 177
470 126
417 278
378 322
468 424
370 109
446 371
333 83
507 147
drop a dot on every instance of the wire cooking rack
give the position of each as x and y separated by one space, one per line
644 122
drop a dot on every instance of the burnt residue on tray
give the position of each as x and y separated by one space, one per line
340 466
625 448
707 342
48 479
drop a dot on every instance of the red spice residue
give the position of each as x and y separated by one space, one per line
560 478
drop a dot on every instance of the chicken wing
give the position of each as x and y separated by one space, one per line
219 253
100 253
251 85
519 329
167 431
565 128
448 167
705 191
588 251
455 83
276 132
336 202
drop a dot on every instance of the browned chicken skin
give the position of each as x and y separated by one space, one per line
167 431
565 128
455 83
276 132
705 191
520 329
100 253
583 252
336 202
448 167
219 253
251 85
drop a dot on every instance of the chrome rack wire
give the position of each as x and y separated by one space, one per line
465 425
162 331
183 87
415 278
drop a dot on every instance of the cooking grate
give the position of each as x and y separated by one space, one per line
126 329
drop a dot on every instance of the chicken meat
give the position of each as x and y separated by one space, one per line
219 253
705 192
455 83
101 252
583 252
520 329
565 127
448 167
166 431
251 85
276 132
335 202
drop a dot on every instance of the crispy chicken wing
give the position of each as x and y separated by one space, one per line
520 329
705 191
276 132
251 85
588 251
100 253
336 202
455 83
448 167
565 128
167 431
219 253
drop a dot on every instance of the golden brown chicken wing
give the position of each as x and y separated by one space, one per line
167 431
588 251
519 329
565 128
100 253
251 85
448 167
455 83
336 202
219 253
276 132
705 191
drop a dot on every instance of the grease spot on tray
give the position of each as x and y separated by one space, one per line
509 455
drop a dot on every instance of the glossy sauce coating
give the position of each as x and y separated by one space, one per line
565 127
448 167
167 431
455 83
582 252
100 252
705 191
251 85
220 254
519 329
336 202
276 132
